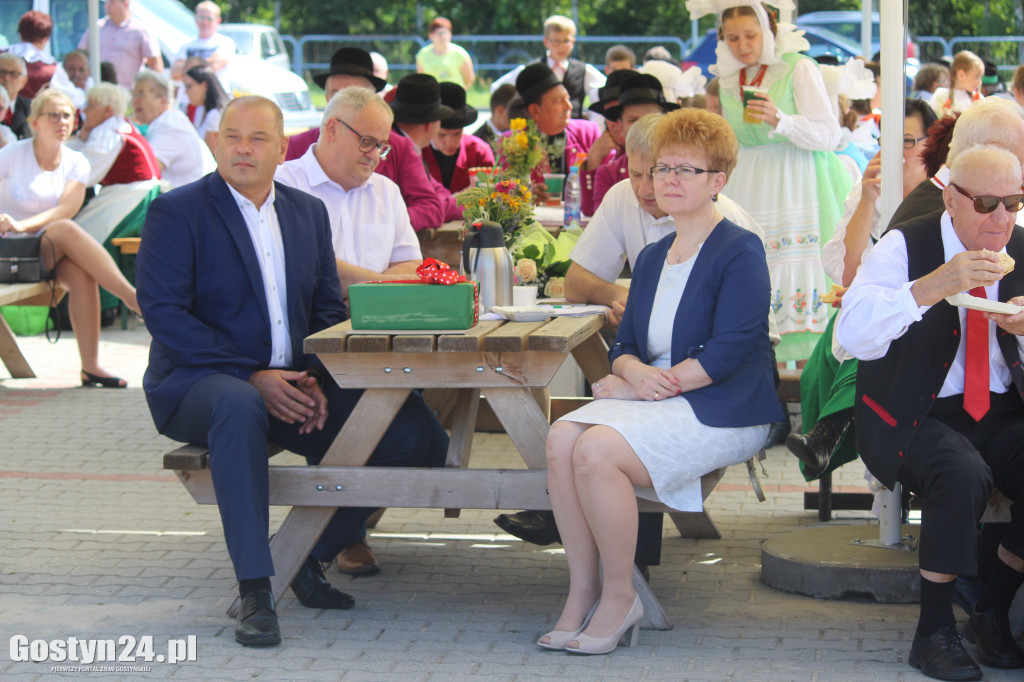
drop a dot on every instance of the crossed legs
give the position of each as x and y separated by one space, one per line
591 474
80 263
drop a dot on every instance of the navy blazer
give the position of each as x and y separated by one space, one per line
201 292
722 321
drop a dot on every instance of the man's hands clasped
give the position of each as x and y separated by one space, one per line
292 397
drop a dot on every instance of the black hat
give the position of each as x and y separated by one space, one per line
642 88
534 80
351 61
418 100
610 91
453 96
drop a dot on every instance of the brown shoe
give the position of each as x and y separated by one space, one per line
357 559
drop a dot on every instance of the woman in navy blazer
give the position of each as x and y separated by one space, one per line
691 388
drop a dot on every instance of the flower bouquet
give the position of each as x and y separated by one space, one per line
543 260
522 150
507 202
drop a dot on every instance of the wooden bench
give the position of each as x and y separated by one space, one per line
35 293
126 246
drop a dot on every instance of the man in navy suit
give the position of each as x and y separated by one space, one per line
233 272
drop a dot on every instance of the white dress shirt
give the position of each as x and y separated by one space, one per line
879 308
265 232
370 224
103 146
177 145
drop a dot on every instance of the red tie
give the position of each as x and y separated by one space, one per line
976 392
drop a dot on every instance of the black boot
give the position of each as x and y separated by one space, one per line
777 433
815 447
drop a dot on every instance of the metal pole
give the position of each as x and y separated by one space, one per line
94 40
893 15
865 28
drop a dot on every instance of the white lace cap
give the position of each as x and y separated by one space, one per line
727 64
674 81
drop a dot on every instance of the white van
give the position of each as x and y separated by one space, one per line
174 24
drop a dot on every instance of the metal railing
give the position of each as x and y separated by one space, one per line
492 55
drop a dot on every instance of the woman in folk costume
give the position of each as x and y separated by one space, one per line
788 178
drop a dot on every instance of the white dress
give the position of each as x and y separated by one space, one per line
672 444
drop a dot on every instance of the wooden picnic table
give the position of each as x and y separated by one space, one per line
34 293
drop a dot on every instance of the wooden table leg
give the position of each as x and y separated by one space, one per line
524 422
16 363
467 403
592 357
353 445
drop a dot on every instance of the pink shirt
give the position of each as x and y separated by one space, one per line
126 46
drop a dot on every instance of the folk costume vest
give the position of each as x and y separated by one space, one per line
135 162
895 393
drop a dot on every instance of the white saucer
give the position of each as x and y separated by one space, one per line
983 304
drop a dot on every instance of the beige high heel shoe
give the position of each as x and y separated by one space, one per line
629 630
557 639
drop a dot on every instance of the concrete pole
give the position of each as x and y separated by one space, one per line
94 40
865 29
892 18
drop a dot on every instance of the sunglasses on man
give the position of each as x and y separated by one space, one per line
988 204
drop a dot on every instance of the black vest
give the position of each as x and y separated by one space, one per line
574 82
896 392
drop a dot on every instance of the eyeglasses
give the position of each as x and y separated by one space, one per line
58 116
684 173
368 144
909 142
988 204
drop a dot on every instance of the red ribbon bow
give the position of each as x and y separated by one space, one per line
433 271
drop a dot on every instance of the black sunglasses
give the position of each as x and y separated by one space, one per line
987 204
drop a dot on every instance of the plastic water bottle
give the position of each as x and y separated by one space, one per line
573 197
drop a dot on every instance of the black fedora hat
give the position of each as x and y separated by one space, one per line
453 96
534 80
610 91
642 88
351 61
418 100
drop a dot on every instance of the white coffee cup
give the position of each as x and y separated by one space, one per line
524 295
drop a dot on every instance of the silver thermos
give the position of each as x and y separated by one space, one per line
486 260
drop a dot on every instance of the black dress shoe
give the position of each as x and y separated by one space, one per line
815 447
537 527
313 590
990 631
777 433
942 655
257 620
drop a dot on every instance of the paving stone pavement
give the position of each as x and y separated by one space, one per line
100 543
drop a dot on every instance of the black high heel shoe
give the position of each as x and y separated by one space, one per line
89 379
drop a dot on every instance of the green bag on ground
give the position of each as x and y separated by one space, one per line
26 320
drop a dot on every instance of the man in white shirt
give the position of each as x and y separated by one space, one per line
581 80
183 155
939 389
216 48
125 42
373 238
370 229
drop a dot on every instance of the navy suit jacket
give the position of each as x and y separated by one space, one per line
722 321
201 292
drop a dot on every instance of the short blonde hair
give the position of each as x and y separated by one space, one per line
557 23
109 95
44 97
699 130
965 60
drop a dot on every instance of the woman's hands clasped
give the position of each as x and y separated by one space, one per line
637 381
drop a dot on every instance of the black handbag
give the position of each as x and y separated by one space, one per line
19 259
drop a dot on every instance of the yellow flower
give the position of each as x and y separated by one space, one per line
522 140
517 124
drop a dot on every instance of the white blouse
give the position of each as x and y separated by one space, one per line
26 189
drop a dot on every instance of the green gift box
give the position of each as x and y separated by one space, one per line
405 306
